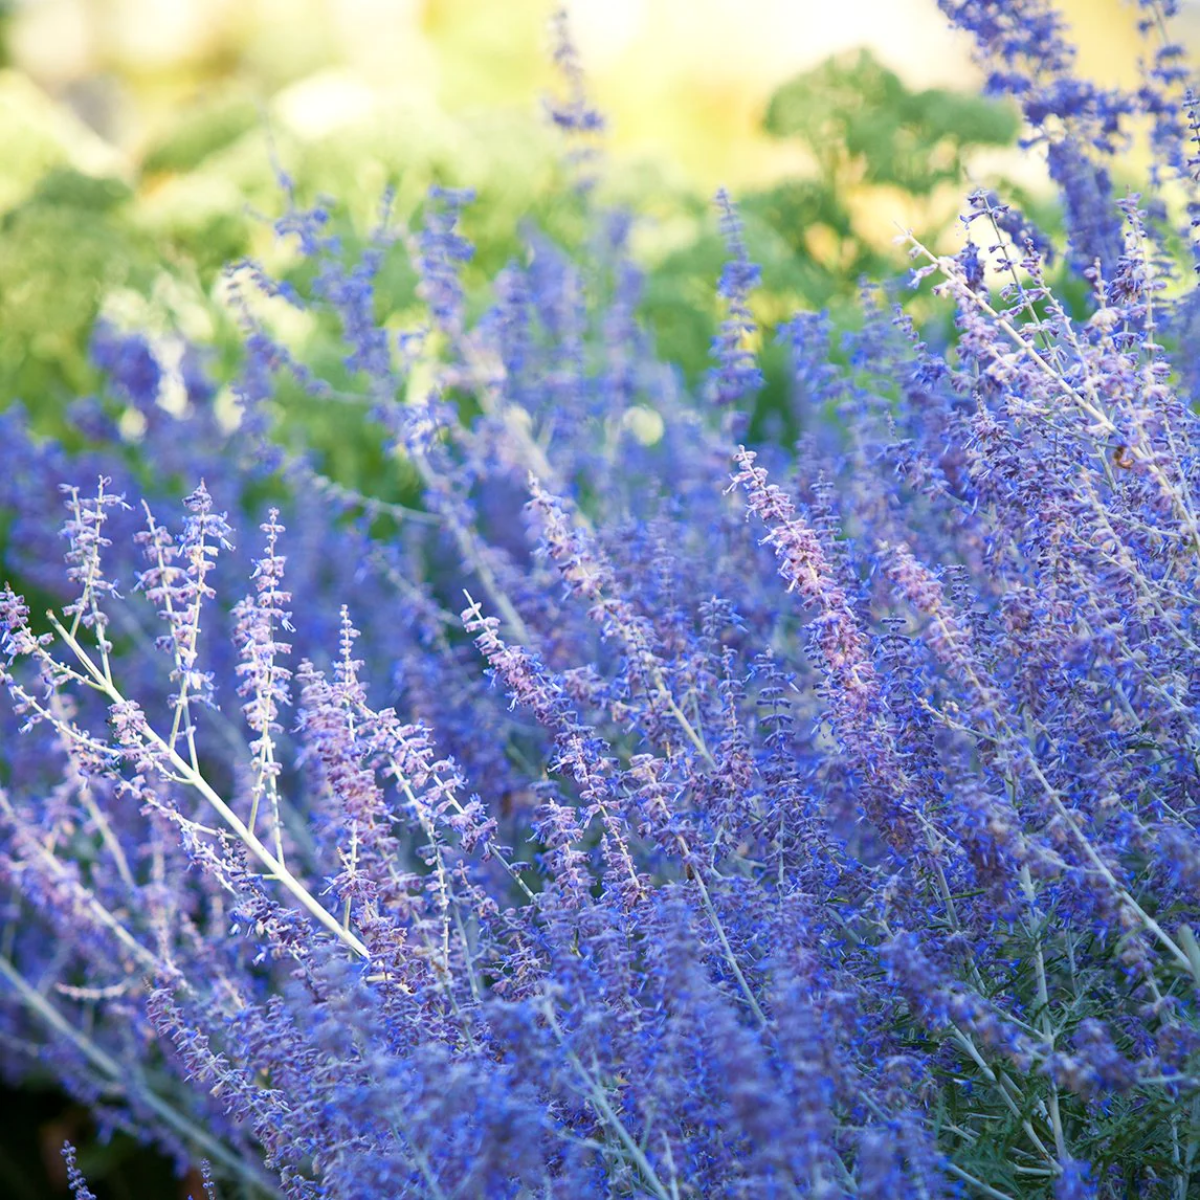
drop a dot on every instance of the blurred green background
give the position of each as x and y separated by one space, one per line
139 137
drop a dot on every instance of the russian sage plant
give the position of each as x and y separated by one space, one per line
636 812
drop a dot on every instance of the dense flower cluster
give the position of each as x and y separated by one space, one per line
635 813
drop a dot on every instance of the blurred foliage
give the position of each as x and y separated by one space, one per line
200 132
151 240
871 142
864 129
145 243
857 118
61 251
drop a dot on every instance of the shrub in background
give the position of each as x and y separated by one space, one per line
142 240
873 144
624 811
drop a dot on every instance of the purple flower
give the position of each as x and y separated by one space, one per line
441 250
735 377
1075 1182
75 1179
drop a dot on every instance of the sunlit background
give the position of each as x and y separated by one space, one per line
141 141
684 82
